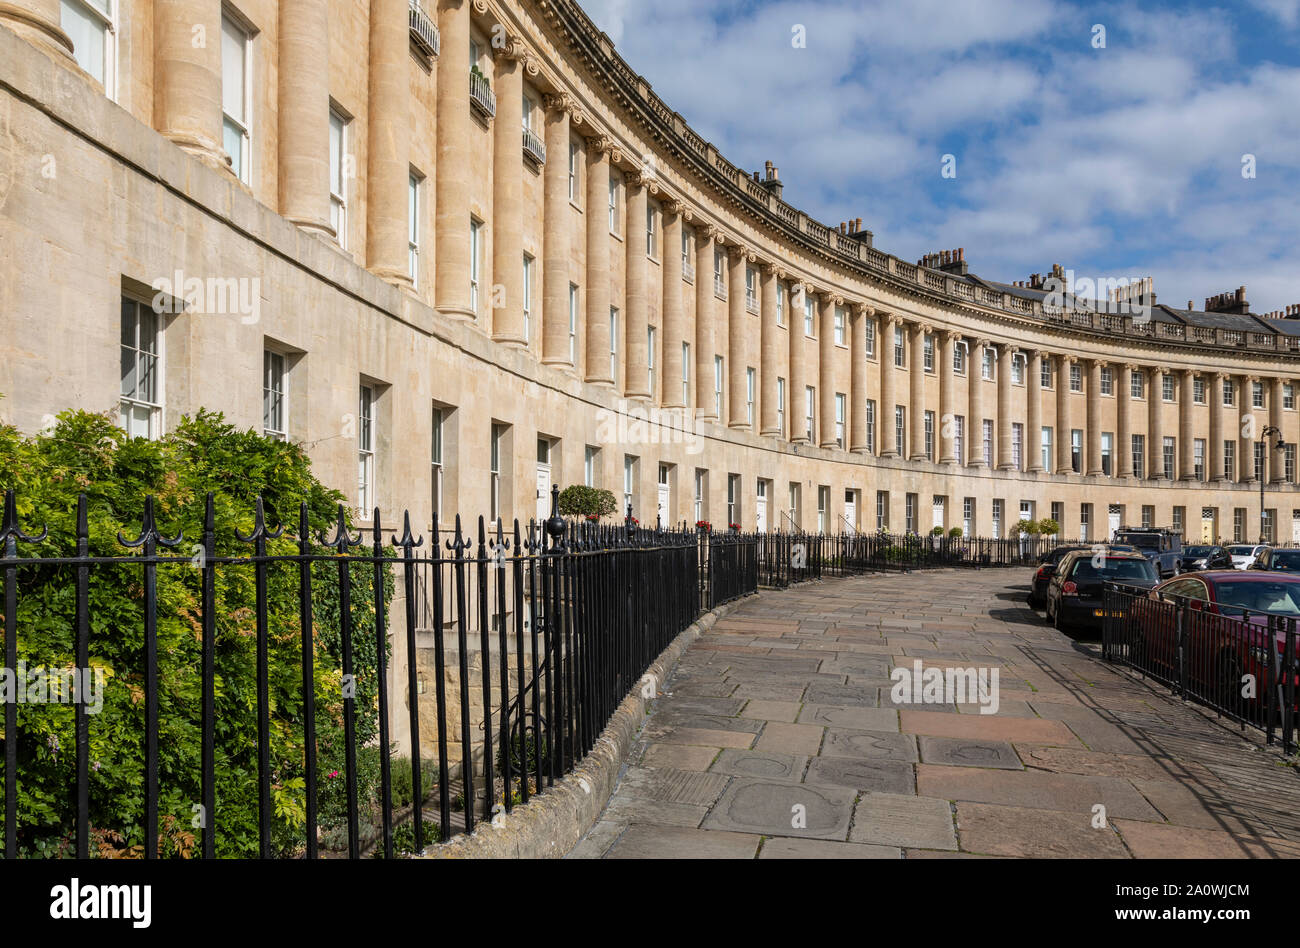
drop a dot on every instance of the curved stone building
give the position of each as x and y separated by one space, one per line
463 251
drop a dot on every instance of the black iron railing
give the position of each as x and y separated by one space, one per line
1233 664
528 641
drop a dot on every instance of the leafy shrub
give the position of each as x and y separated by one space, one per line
1048 527
578 500
955 532
86 452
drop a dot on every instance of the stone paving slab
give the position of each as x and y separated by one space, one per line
777 737
783 809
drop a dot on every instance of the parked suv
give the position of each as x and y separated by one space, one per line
1163 548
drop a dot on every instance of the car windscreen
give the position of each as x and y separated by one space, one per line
1199 550
1280 598
1145 541
1115 570
1241 550
1285 560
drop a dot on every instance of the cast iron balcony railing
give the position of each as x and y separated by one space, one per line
534 147
688 270
481 95
719 287
751 302
424 34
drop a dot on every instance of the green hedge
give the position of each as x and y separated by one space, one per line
88 453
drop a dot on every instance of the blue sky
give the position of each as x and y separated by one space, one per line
1117 161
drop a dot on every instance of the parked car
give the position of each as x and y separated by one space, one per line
1226 636
1074 601
1205 557
1047 564
1243 555
1164 548
1276 560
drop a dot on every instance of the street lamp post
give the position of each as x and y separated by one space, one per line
1268 430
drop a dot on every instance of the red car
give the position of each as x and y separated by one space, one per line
1229 614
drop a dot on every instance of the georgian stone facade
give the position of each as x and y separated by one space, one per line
479 216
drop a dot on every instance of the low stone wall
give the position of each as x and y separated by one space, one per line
551 823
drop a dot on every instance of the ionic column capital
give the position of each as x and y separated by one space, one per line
862 309
480 7
837 300
511 48
559 102
679 208
644 178
771 268
979 342
604 145
739 252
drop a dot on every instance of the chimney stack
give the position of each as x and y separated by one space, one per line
771 179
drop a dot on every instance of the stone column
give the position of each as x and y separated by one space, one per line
635 300
508 194
1064 454
1005 461
597 330
388 158
1155 431
798 365
452 180
975 403
916 391
1092 420
737 349
556 223
947 447
769 356
1034 411
858 314
674 317
704 334
1186 458
1124 420
1276 459
889 448
187 77
1248 431
1214 400
303 111
826 376
37 21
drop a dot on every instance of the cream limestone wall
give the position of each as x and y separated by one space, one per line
126 207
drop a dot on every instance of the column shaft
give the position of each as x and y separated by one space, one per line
37 21
636 319
705 407
508 200
1064 448
389 156
303 110
975 403
889 446
1276 459
1155 430
737 350
1005 460
798 369
1214 399
826 376
1124 421
916 392
769 358
187 77
597 337
555 239
1186 468
1248 429
947 449
674 318
1034 412
1093 418
452 185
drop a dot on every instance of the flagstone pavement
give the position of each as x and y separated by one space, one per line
776 736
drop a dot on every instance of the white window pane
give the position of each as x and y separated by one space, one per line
233 49
88 35
232 140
